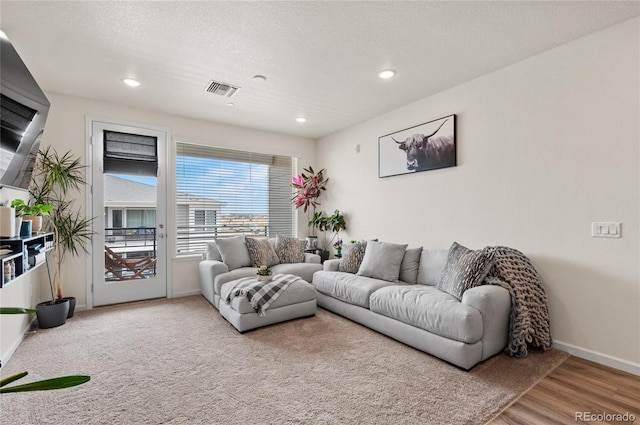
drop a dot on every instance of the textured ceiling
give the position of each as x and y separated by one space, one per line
320 58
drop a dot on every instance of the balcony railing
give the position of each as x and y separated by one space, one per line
191 239
131 243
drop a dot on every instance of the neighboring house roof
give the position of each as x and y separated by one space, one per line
188 199
119 192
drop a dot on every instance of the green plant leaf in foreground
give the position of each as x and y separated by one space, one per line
47 384
10 379
16 310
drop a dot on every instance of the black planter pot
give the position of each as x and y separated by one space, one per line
324 254
72 305
53 314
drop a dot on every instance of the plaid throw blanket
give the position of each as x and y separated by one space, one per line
261 294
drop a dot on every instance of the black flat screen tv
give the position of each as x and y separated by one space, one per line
24 109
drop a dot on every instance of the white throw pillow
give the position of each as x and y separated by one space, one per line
382 261
213 253
234 252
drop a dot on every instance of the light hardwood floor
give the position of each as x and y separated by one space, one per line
576 386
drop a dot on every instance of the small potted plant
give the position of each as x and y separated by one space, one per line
33 213
337 245
333 223
263 274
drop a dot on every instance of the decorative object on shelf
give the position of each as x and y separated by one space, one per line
26 228
263 274
33 213
8 222
54 179
424 147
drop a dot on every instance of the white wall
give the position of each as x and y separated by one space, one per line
545 147
65 130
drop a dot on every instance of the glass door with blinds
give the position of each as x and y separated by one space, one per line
224 192
128 201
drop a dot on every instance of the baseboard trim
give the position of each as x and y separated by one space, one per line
598 357
186 293
5 359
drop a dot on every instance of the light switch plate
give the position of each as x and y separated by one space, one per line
606 229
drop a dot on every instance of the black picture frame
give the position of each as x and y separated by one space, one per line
406 151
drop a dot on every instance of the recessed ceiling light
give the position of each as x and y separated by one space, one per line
386 74
131 82
301 119
231 104
260 78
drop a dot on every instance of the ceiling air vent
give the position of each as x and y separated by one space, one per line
221 89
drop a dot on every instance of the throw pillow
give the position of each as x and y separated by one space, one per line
213 253
465 269
382 261
410 265
432 262
352 256
289 249
234 252
261 252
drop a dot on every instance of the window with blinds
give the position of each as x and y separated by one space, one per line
223 192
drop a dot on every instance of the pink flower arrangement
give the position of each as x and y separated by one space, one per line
308 187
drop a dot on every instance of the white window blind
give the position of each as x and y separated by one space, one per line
223 192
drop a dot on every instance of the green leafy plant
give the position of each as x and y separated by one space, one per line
334 223
24 209
47 384
263 271
54 179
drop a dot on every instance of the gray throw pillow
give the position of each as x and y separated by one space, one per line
261 252
432 262
352 256
410 265
465 269
290 250
234 252
382 261
213 253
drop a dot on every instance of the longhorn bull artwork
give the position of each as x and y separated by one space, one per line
427 146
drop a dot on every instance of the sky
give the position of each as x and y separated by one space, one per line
241 186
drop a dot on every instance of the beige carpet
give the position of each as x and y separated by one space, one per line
179 362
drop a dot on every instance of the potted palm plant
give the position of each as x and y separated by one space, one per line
55 179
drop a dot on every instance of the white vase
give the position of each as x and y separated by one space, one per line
18 226
262 278
7 222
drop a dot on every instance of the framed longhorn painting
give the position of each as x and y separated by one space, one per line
424 147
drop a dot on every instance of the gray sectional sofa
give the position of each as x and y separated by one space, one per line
414 311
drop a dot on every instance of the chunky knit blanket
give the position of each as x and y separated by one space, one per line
529 318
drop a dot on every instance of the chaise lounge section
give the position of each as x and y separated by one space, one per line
228 260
